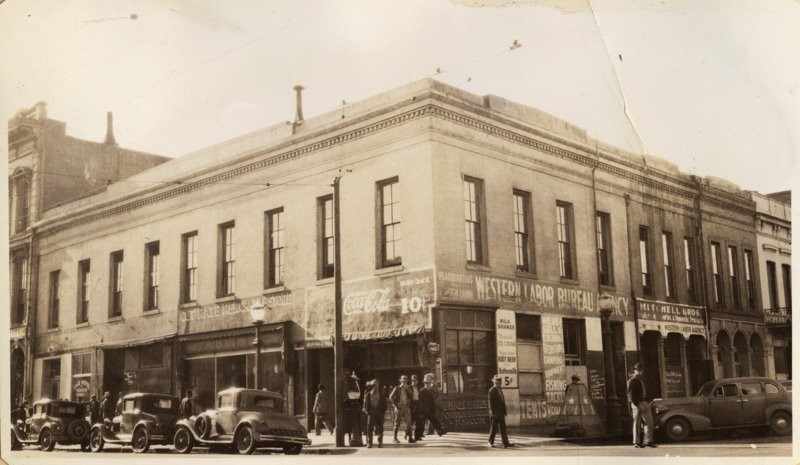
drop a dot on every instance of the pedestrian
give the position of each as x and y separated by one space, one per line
427 408
497 412
401 400
106 409
375 408
415 416
186 409
639 403
118 409
321 410
94 410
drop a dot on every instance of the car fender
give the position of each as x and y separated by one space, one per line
778 406
698 422
253 422
105 432
20 435
56 427
189 425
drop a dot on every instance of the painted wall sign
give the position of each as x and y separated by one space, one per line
233 314
522 291
553 363
772 317
374 308
506 336
464 411
666 318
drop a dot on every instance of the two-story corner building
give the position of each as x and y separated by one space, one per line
477 237
774 236
47 167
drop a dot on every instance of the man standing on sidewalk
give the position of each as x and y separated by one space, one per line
321 410
497 412
639 403
401 399
375 408
427 409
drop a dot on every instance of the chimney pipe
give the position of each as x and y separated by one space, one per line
110 129
298 117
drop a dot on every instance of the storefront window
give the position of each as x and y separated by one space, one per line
470 350
81 377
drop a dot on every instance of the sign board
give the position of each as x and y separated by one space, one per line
506 336
666 317
81 389
236 313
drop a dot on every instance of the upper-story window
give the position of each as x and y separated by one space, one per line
389 230
669 277
326 241
644 257
565 237
716 271
116 283
276 247
523 232
473 217
20 187
189 267
733 275
55 299
227 260
604 253
152 254
772 285
787 286
19 287
688 261
749 277
84 278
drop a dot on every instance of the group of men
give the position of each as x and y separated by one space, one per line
103 410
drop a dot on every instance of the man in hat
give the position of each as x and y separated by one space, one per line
375 409
94 409
321 410
106 407
639 403
401 400
497 412
415 416
118 409
427 408
186 409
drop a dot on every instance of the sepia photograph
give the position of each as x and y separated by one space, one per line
446 230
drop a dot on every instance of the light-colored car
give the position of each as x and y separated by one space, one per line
52 422
146 419
728 403
243 419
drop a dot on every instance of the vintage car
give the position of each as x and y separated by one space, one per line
754 403
52 422
146 419
243 419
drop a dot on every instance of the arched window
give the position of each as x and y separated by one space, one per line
19 196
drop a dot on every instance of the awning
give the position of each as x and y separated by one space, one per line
134 342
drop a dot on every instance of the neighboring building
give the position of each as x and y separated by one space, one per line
774 227
47 168
477 237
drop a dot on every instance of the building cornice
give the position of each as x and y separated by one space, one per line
317 142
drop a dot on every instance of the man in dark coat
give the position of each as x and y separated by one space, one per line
187 405
106 407
639 403
497 412
427 409
375 408
401 397
94 410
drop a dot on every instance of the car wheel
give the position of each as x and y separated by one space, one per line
183 440
15 444
140 442
202 426
781 423
677 429
245 442
294 449
96 440
46 440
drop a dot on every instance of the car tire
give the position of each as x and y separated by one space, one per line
139 441
294 449
677 429
46 440
202 426
183 441
781 423
245 441
96 442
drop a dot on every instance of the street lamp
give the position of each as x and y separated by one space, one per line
613 408
257 314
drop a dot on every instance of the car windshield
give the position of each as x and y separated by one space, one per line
66 410
706 388
160 404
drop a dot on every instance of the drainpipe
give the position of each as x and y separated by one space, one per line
632 277
698 218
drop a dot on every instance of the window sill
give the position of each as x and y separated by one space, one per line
608 287
478 267
113 319
227 298
85 324
390 270
324 281
274 290
525 274
189 304
53 330
571 282
150 312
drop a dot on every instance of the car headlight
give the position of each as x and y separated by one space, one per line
661 409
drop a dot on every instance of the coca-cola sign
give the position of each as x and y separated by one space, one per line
372 301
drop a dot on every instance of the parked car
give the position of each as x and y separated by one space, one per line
786 383
52 422
751 402
146 419
243 419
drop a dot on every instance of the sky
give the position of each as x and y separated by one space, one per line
711 86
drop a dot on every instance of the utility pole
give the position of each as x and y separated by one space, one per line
338 354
